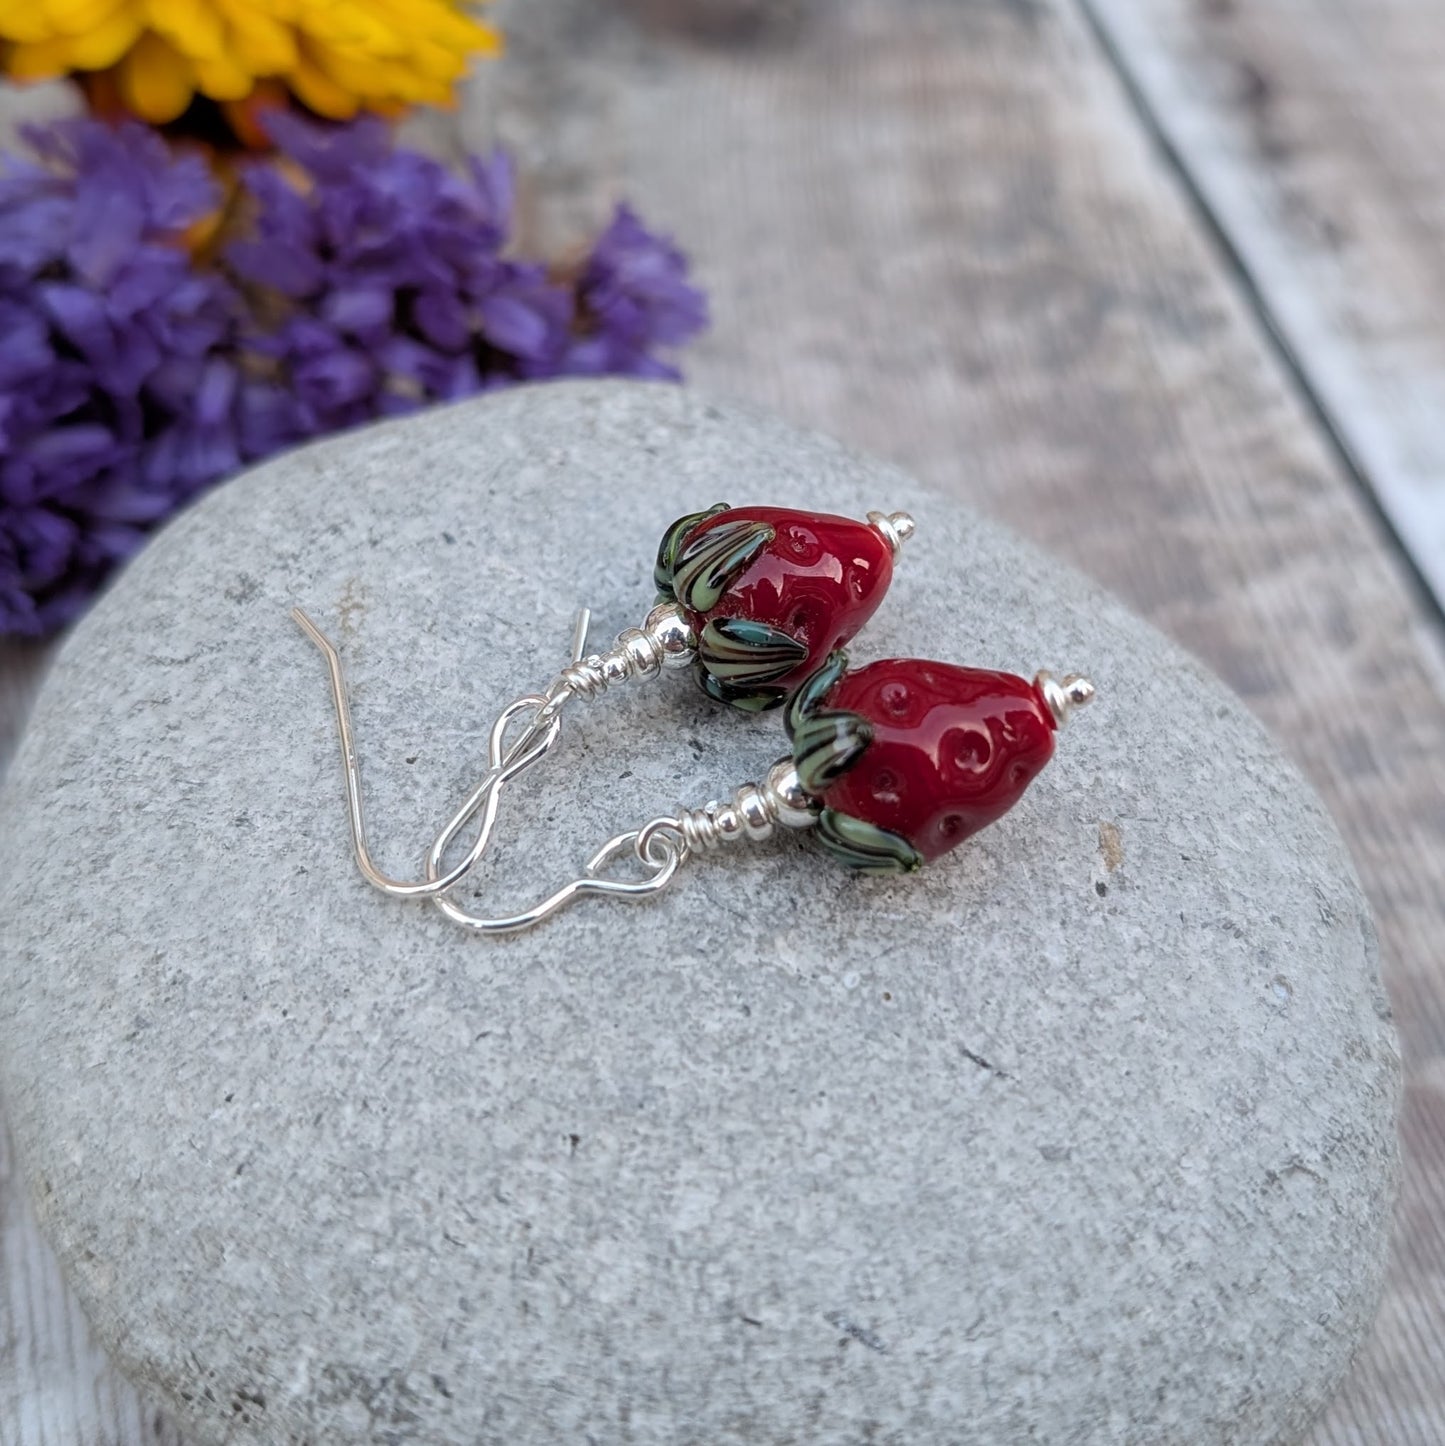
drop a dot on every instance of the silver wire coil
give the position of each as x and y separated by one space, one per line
755 811
750 815
665 640
634 655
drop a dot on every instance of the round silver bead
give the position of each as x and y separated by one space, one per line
615 669
752 808
668 627
729 824
792 806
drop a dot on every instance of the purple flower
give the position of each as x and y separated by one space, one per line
633 297
397 289
389 265
373 280
120 396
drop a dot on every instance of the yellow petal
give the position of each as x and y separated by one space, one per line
262 44
39 61
155 80
425 73
73 17
459 32
436 61
96 50
356 73
441 24
337 24
337 55
191 26
25 26
319 91
222 79
100 48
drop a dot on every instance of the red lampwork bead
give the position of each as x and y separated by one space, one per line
952 749
819 580
771 592
905 759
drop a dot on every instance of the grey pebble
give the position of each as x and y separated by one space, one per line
1083 1134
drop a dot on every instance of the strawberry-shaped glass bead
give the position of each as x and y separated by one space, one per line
770 592
908 758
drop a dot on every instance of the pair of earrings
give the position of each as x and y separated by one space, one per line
891 764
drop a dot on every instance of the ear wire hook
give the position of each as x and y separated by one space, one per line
536 740
661 846
662 853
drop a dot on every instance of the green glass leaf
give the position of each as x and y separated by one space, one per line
740 650
814 689
826 744
864 846
756 699
708 563
672 540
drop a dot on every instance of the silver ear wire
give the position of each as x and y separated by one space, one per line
665 640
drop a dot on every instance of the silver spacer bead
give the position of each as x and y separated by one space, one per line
668 627
665 640
729 823
896 527
755 812
752 807
1065 694
621 663
788 801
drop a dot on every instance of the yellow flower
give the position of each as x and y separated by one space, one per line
336 56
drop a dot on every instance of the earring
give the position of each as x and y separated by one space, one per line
892 765
770 592
752 597
907 759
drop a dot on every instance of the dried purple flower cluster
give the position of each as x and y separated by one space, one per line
373 281
119 387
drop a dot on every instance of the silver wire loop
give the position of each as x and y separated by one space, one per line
662 845
503 766
665 640
661 853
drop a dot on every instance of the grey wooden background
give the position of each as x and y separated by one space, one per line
1161 283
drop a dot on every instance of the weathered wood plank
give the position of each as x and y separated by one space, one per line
1315 133
937 229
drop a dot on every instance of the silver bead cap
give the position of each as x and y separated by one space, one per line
896 527
1065 694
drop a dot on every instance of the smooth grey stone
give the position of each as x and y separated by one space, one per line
1083 1134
